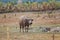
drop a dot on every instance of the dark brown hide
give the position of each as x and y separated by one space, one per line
24 24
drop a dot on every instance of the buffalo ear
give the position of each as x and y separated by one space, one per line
32 19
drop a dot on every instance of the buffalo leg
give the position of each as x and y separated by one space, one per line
26 29
20 28
23 29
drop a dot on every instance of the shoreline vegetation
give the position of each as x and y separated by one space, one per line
29 6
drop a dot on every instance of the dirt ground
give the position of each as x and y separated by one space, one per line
12 19
39 19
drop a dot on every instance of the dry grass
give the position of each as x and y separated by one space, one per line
38 21
12 20
30 36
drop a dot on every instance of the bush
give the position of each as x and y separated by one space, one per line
4 16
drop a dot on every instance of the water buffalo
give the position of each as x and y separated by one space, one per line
24 23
